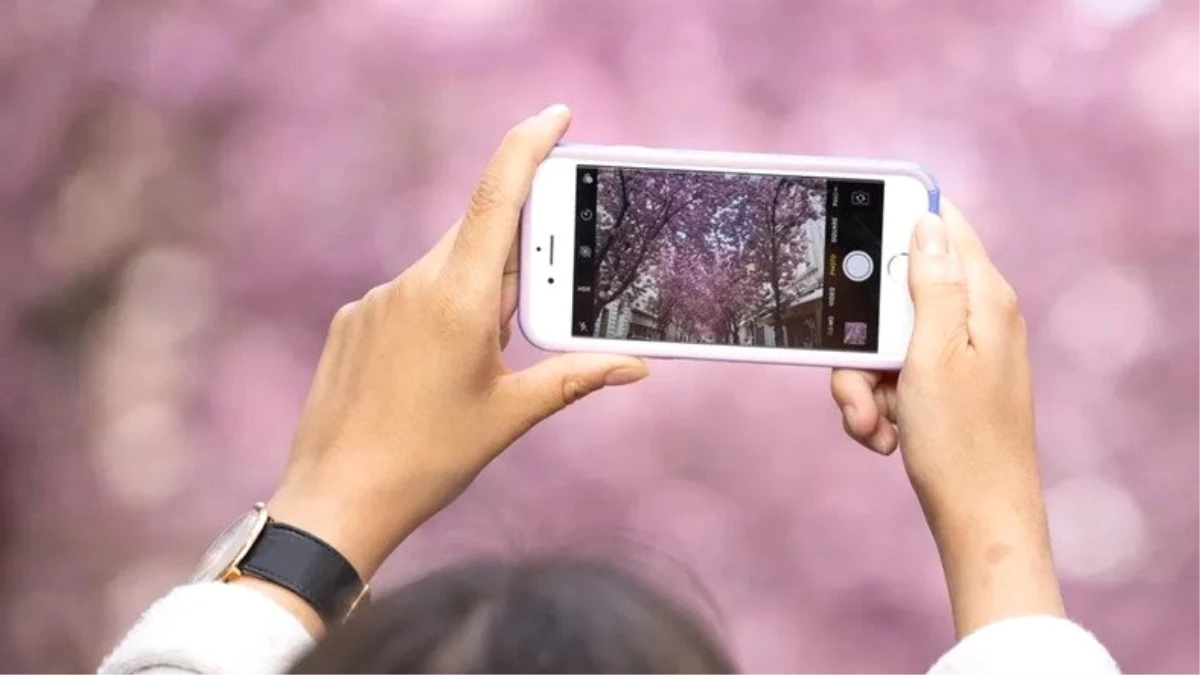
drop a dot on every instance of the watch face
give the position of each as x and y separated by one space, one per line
229 548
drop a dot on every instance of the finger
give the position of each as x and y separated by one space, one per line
437 256
509 291
436 259
513 264
963 236
992 301
854 393
509 285
541 390
864 406
885 439
486 234
938 287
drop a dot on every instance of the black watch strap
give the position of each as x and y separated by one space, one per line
306 566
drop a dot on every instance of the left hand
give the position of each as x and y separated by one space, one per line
961 412
411 397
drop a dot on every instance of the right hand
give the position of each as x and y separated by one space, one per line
961 411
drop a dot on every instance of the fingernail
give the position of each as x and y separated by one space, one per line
556 110
620 376
931 235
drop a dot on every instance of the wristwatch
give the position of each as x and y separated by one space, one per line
256 545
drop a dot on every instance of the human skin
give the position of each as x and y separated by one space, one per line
411 400
961 412
411 397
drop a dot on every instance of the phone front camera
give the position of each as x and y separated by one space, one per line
550 280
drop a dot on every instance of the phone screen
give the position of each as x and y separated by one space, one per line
727 258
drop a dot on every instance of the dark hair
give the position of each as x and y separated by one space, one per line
544 616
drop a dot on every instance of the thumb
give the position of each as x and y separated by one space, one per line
547 387
938 287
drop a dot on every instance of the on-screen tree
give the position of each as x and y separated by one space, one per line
780 239
668 289
731 280
633 210
700 280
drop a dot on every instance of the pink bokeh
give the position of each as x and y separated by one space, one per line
189 189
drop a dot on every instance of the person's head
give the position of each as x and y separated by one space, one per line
545 616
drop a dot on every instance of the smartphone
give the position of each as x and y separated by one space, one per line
721 256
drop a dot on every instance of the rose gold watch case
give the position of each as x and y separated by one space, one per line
258 520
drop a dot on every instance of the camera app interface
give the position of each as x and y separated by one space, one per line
727 258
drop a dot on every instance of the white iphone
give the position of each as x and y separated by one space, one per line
721 256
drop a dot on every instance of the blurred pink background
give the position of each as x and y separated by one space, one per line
188 190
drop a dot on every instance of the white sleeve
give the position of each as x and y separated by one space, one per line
211 628
1028 644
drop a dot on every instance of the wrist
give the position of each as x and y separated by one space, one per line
353 528
299 558
1010 493
997 560
364 519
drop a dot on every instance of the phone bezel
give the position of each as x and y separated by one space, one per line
545 309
